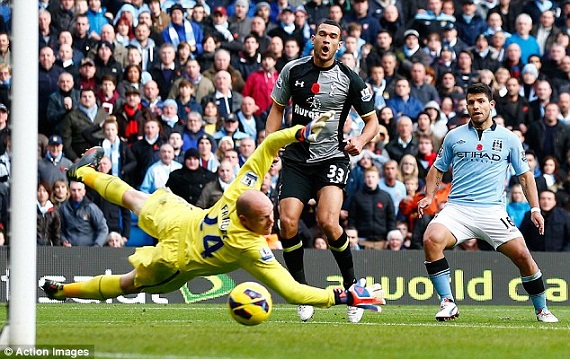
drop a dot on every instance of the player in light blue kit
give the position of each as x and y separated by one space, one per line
479 154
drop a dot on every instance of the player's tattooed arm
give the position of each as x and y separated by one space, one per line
433 179
438 177
528 185
530 191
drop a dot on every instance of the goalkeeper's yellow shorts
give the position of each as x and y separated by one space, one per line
166 217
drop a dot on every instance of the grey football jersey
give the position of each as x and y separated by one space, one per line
313 91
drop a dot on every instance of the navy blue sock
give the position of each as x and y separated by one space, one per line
343 256
293 253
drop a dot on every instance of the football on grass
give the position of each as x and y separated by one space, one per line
250 303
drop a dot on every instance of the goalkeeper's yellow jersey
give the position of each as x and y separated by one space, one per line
201 242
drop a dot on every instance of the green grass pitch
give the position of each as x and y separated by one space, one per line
207 331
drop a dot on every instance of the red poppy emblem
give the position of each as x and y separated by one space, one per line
479 147
315 88
380 205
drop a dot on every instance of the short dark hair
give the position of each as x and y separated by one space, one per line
479 87
548 191
552 104
175 132
109 78
329 22
467 52
250 36
424 112
182 45
402 79
86 89
266 54
186 83
534 55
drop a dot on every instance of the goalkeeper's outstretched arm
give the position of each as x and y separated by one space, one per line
278 279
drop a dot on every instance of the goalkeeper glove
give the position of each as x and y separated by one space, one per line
358 295
310 132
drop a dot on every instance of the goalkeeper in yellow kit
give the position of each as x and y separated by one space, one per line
198 242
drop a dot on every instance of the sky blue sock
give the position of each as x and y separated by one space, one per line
441 284
438 273
539 301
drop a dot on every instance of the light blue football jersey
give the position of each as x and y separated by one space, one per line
479 162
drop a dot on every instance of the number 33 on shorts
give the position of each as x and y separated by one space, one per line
338 173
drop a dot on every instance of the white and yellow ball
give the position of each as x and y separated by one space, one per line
250 303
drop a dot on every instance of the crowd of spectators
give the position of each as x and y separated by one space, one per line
177 93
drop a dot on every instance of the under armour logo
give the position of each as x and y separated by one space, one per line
300 83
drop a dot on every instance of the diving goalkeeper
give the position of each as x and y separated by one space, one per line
199 242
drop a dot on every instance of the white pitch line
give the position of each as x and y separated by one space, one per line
440 325
434 325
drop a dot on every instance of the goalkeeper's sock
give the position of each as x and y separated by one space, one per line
439 274
100 287
340 296
300 134
112 188
343 256
534 286
293 253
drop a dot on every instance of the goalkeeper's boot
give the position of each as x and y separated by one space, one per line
53 289
305 312
447 310
354 313
311 131
545 316
90 158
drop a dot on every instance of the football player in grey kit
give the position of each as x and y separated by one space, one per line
319 85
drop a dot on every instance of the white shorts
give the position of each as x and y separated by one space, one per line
491 224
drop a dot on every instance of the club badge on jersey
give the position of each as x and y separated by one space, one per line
249 179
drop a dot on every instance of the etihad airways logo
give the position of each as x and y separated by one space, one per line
478 156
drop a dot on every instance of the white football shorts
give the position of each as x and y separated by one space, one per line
491 224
